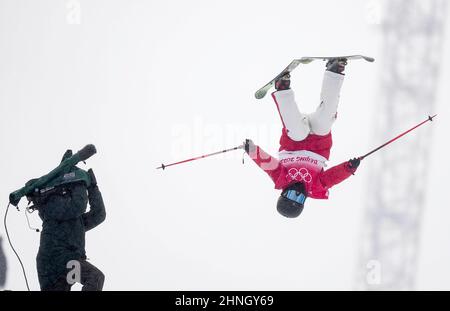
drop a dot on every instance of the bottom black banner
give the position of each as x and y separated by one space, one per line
216 300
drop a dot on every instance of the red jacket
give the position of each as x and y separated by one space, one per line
303 161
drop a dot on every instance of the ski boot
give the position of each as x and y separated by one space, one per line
337 65
283 83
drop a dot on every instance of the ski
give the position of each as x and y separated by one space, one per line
304 60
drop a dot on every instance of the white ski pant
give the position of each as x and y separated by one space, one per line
299 125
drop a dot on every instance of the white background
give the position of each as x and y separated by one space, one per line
158 81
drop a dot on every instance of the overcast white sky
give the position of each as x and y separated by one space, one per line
158 81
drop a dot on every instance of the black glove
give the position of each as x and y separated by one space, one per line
92 177
354 163
249 146
283 83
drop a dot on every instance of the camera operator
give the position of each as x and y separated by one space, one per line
64 224
2 265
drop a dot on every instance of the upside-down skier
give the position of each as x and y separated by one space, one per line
305 144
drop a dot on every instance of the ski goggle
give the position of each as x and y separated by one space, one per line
295 196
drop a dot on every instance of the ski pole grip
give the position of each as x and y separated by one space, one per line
87 152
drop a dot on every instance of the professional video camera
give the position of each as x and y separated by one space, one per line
37 190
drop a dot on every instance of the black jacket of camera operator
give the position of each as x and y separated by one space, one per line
65 220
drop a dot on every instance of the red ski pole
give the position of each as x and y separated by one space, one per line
163 166
395 138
